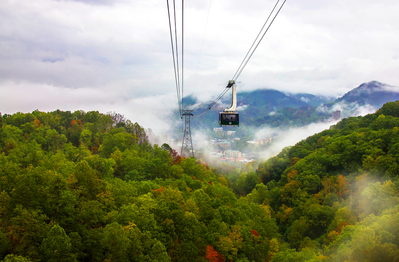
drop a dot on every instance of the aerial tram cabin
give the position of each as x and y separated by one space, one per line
229 116
229 119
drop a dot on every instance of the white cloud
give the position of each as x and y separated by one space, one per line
284 138
348 109
122 49
153 112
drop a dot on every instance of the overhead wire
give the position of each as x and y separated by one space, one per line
260 39
174 61
179 75
256 39
182 54
218 98
177 54
214 102
250 53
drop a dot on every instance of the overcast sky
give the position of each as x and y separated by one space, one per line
115 55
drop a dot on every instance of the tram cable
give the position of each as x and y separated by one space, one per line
182 55
175 53
250 52
256 39
267 29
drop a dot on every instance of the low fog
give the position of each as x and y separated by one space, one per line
289 137
280 137
348 109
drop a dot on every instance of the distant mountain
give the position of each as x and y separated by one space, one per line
258 108
372 93
264 99
368 96
274 108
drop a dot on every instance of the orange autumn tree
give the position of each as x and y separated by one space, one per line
158 190
342 186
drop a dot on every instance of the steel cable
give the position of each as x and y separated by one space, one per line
174 61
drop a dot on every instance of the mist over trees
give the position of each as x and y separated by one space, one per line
86 186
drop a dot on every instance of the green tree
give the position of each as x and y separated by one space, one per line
115 242
57 246
158 253
15 258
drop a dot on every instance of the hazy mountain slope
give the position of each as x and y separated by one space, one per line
254 106
334 188
363 99
373 93
275 108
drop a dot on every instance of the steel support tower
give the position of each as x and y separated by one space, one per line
187 145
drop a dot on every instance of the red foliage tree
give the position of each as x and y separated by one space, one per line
253 232
176 158
212 255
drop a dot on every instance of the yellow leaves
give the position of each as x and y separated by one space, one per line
231 243
292 175
268 209
284 213
37 123
388 187
223 181
274 247
235 235
130 226
331 236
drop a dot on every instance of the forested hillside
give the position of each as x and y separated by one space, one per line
89 187
335 195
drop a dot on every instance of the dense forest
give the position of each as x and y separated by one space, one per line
335 195
89 187
86 186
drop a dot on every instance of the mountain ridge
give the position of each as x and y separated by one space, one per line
282 109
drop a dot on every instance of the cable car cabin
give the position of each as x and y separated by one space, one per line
229 119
